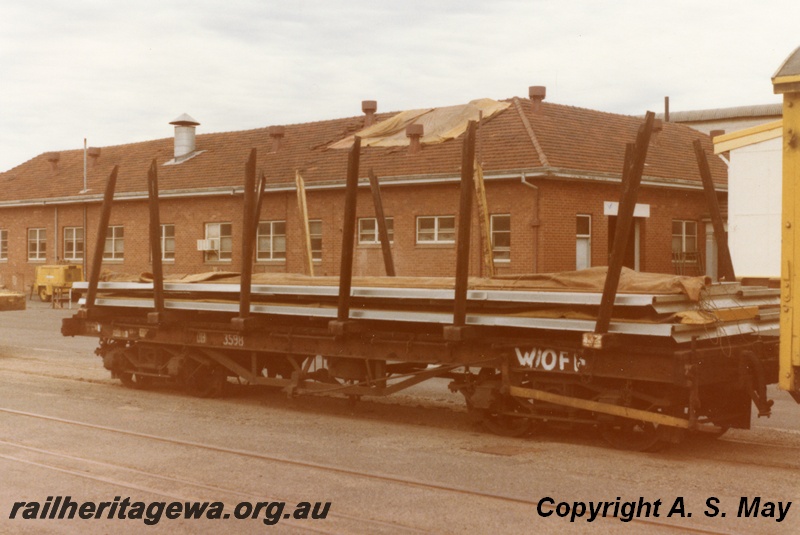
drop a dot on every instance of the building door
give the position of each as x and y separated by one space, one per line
633 252
632 257
583 241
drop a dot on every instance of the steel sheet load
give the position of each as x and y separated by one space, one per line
649 304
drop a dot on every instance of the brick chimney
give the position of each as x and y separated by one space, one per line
277 133
414 133
184 136
53 158
537 93
94 154
369 107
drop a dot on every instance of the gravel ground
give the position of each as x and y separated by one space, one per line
176 448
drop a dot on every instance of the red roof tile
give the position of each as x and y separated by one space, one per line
574 139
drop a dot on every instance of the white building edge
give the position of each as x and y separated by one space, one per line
748 138
754 197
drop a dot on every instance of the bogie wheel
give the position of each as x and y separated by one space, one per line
500 422
497 413
134 380
711 432
632 435
122 370
43 296
205 380
505 416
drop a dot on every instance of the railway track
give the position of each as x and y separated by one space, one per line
375 525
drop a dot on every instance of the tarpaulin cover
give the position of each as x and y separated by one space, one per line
439 124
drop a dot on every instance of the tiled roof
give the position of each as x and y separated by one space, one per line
571 139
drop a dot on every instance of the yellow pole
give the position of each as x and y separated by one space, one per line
787 82
484 223
302 206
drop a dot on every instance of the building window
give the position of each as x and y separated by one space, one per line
219 242
271 240
684 241
315 234
436 229
115 243
73 244
501 237
583 241
168 242
37 244
368 230
3 244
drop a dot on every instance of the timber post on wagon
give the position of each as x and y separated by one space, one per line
524 351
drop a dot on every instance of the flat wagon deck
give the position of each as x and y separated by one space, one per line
643 357
676 362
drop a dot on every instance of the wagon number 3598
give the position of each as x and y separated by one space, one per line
236 340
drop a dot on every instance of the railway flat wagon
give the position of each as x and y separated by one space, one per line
642 357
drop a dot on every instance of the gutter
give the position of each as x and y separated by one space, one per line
546 173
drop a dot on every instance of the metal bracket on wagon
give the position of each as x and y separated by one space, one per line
599 340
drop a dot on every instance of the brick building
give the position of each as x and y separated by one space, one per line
552 182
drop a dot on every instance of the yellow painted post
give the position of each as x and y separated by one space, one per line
787 82
304 228
484 223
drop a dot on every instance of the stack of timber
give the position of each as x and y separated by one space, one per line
665 306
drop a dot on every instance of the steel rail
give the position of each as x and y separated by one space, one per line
335 469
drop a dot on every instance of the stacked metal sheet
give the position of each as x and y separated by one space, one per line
724 309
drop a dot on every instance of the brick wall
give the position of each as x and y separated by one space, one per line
542 229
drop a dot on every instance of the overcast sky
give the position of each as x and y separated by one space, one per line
119 72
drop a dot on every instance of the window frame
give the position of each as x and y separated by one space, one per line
164 238
376 240
437 230
682 254
70 244
41 244
3 245
493 233
114 239
220 253
263 255
316 239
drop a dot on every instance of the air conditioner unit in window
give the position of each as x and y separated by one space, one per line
208 245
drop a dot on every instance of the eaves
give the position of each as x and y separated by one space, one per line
545 173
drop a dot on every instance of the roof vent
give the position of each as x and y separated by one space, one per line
53 158
277 133
414 133
184 136
369 107
537 93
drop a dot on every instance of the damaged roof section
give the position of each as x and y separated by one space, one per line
438 124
